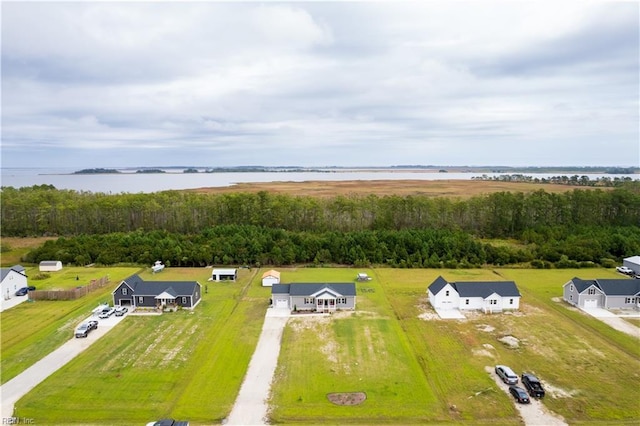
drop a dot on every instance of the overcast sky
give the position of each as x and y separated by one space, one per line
108 84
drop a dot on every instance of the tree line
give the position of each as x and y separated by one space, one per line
576 228
44 210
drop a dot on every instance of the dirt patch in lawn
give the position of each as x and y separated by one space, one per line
347 398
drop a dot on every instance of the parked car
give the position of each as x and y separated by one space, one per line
22 291
31 288
519 394
506 375
106 313
168 422
121 310
533 385
625 270
84 328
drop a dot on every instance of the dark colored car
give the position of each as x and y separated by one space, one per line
533 385
31 288
519 394
22 291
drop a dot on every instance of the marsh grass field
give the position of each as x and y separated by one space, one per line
414 369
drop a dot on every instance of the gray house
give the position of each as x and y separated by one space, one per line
135 292
603 293
318 297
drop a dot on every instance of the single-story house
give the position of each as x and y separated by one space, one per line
11 280
136 292
632 262
228 274
318 297
488 296
270 278
50 265
603 293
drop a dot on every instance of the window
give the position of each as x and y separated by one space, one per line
124 291
184 300
342 300
446 293
140 299
466 301
571 287
511 301
493 302
308 300
592 290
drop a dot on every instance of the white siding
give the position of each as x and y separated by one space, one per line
447 298
270 281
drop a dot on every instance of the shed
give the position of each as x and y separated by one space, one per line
228 274
50 265
270 278
632 262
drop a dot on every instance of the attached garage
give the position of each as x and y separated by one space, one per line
591 303
282 303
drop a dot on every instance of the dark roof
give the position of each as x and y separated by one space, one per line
437 285
619 287
477 288
154 288
306 289
486 288
280 289
610 287
5 271
582 285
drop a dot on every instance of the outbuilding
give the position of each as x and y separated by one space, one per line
270 278
224 274
632 262
50 265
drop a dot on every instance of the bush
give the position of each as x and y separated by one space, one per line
608 263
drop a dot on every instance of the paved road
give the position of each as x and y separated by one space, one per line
251 406
16 388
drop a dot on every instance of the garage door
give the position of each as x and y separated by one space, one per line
591 303
282 303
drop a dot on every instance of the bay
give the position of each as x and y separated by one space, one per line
175 180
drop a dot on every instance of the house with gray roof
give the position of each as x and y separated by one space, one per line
11 280
488 296
318 297
136 292
616 293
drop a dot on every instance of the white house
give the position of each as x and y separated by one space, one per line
270 278
12 279
488 296
50 265
632 262
229 274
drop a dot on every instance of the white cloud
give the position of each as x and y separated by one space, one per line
290 83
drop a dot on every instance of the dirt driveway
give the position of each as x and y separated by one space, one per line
532 414
16 388
251 406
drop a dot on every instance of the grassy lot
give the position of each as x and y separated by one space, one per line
413 368
31 330
183 365
361 352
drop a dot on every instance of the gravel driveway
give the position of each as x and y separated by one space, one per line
534 413
615 321
251 406
16 388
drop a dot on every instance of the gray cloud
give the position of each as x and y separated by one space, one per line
117 84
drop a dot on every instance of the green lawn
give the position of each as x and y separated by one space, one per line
31 330
190 365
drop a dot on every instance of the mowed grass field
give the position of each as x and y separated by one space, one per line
32 330
414 369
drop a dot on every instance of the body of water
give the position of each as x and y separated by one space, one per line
154 182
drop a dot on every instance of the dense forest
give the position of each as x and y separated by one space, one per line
576 228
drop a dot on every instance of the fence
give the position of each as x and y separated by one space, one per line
71 294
